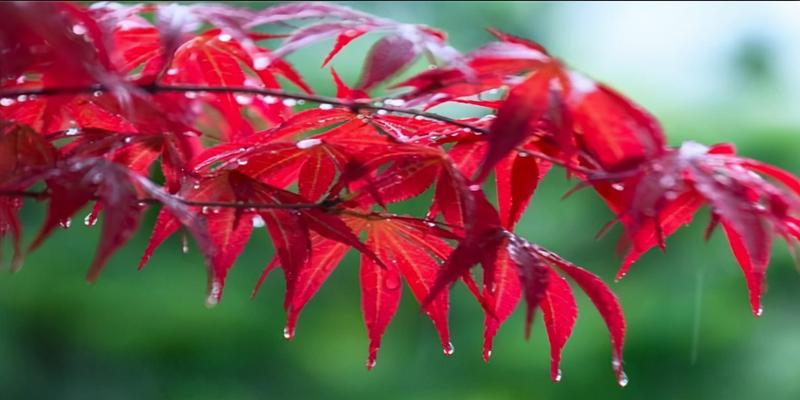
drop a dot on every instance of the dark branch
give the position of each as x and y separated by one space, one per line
155 88
224 204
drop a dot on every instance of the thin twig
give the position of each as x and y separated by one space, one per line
156 88
194 203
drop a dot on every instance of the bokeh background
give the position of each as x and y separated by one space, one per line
711 72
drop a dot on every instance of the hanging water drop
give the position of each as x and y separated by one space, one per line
622 380
243 100
288 333
258 222
449 349
89 220
289 102
557 378
65 223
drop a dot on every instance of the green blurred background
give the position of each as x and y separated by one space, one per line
710 72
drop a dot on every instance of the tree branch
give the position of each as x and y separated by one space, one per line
351 104
156 88
226 204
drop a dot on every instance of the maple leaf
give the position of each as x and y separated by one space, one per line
670 189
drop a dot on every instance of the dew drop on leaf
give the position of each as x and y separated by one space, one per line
308 143
391 282
258 222
78 29
261 63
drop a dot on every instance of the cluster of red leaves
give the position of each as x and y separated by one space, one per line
98 102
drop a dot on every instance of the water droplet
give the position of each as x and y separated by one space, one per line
382 112
325 106
289 102
371 363
395 102
261 63
557 378
204 210
692 149
127 139
65 223
258 222
191 95
270 99
22 98
666 181
89 220
5 102
241 161
474 187
308 143
172 71
243 100
391 282
618 186
184 244
622 380
224 37
449 349
288 333
78 29
759 311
